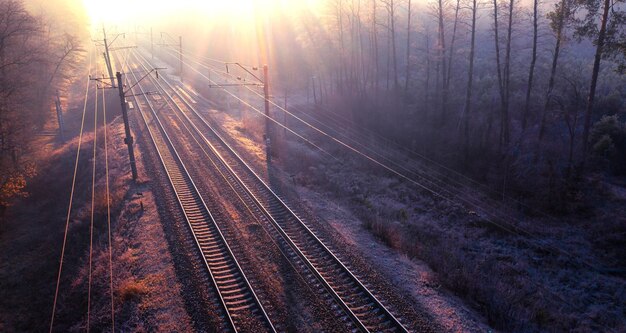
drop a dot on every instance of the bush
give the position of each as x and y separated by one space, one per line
132 290
608 142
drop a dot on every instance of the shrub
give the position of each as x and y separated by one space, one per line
132 290
608 142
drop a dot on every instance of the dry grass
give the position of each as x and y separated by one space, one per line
132 290
30 249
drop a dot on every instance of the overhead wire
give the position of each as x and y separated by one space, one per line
264 115
375 152
108 201
532 237
224 176
93 205
513 229
71 199
408 150
332 138
487 215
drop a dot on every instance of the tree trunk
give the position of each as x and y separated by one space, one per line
342 70
498 66
594 78
427 82
407 75
392 15
375 49
451 54
470 81
507 77
442 62
388 50
555 60
531 72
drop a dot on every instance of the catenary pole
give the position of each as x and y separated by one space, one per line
266 92
128 140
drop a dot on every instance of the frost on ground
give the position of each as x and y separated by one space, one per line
565 277
520 283
145 289
410 275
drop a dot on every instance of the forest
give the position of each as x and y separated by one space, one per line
39 54
526 96
481 141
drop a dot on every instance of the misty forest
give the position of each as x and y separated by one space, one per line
313 166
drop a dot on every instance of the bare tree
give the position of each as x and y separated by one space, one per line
390 6
533 61
17 55
32 61
441 48
470 79
507 78
451 53
558 18
407 75
612 24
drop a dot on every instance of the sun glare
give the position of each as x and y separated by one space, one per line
119 11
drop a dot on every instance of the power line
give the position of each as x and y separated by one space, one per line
487 215
93 203
267 117
108 200
248 208
69 210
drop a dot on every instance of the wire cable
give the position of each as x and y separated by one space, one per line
438 192
264 115
108 200
69 209
93 204
224 176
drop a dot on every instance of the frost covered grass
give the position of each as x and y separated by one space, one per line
144 288
518 284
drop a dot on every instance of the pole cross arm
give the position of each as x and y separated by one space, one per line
113 41
147 93
122 48
101 80
234 85
244 68
143 77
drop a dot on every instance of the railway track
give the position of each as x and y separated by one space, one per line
361 308
242 309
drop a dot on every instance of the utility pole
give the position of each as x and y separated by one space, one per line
107 57
180 48
59 116
265 82
151 44
314 90
128 140
285 117
268 134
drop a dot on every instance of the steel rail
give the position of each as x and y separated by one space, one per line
235 293
361 313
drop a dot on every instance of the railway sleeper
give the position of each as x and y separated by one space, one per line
228 280
245 296
239 304
228 266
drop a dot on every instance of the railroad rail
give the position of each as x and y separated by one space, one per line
364 310
236 296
